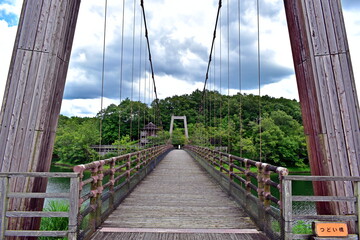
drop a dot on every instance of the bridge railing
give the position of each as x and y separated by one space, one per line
289 218
6 195
250 184
104 184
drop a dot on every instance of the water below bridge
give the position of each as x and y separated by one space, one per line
178 200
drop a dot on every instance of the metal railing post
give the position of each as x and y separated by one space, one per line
260 192
93 198
231 167
112 183
99 189
248 177
80 171
266 187
4 183
357 195
74 208
128 169
286 210
221 162
266 192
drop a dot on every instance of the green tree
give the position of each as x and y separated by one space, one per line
178 137
133 117
74 138
282 140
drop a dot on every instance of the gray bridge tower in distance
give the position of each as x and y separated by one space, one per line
185 124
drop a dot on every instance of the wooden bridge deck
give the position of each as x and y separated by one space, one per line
178 200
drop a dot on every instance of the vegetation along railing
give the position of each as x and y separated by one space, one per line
249 183
288 200
104 184
6 195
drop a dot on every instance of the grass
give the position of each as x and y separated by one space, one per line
55 224
293 170
302 227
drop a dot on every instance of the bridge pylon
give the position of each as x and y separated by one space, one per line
185 124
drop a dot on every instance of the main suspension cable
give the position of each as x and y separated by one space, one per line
228 69
121 70
259 77
240 81
150 60
220 80
103 75
132 73
139 87
212 44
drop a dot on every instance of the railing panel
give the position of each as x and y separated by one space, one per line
73 197
288 199
253 190
248 182
110 182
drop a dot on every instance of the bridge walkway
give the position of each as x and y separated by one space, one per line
178 200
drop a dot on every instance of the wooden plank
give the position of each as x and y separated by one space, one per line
10 128
333 139
351 110
339 29
8 104
30 19
178 236
36 214
326 217
172 197
40 174
329 26
321 178
323 199
172 230
12 233
313 11
38 195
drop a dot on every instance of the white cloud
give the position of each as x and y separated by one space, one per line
84 107
352 23
7 44
177 22
13 8
285 88
169 86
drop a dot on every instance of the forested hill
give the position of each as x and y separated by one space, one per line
231 121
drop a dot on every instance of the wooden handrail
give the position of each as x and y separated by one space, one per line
251 188
101 181
226 164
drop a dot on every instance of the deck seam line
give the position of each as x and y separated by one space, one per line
172 230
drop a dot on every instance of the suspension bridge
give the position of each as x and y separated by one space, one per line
192 193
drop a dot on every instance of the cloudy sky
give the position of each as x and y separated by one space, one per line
180 34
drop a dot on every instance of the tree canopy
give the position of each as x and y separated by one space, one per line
220 121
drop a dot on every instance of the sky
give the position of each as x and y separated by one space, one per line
180 35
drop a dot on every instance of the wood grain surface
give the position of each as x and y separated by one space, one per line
178 194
